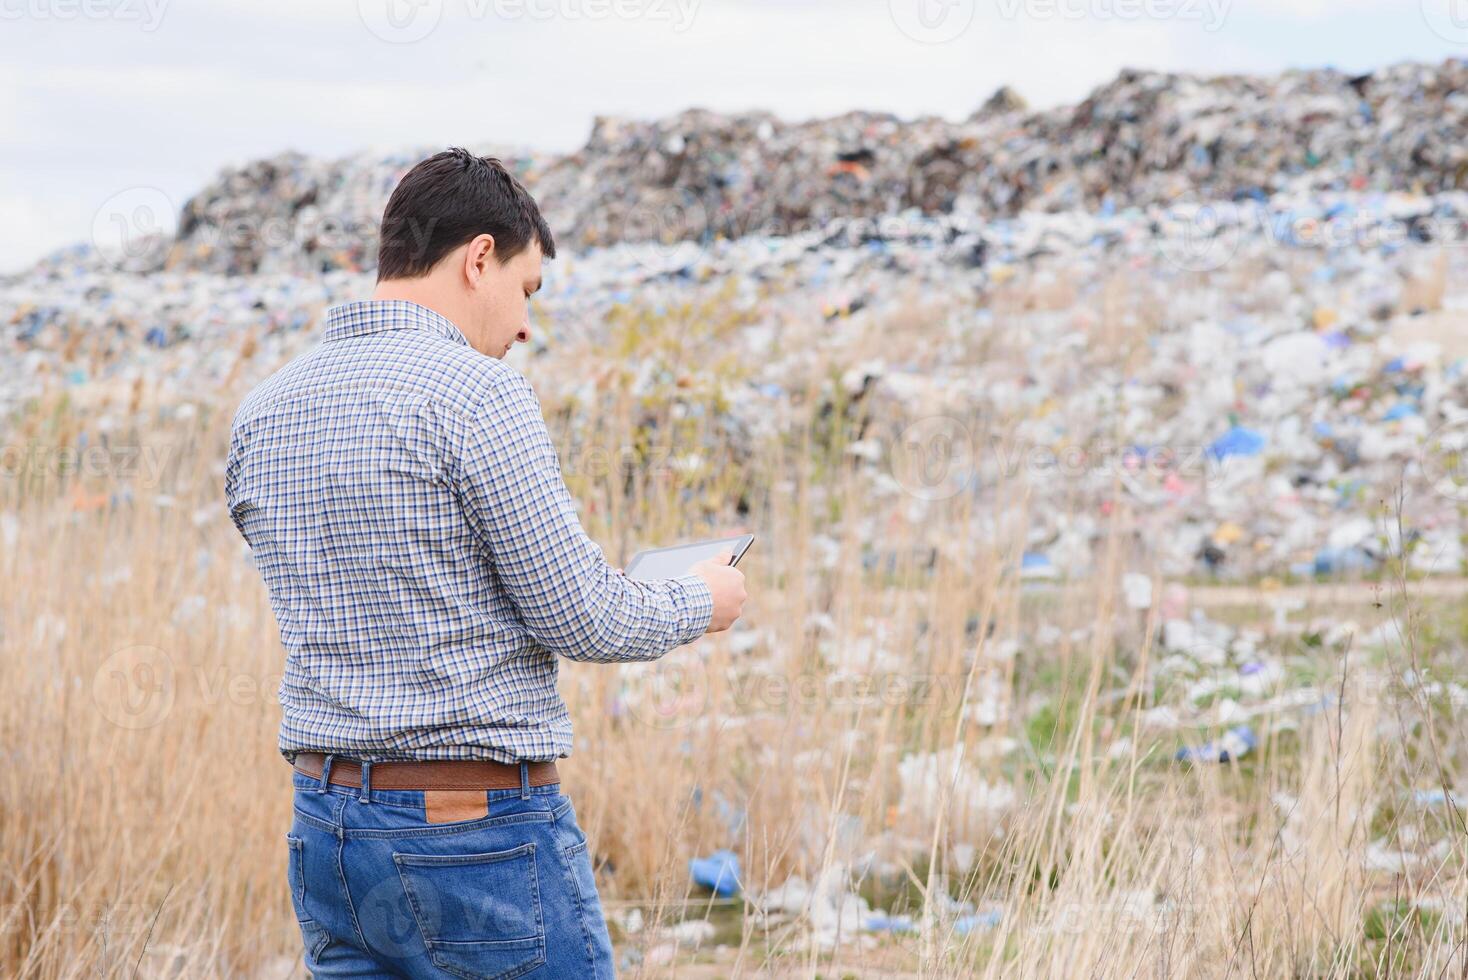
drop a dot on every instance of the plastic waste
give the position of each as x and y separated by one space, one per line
1235 744
718 871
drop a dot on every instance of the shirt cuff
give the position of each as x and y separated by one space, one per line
695 604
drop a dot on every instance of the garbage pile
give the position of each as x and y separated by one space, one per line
1270 407
1146 139
1249 380
287 214
1247 686
293 214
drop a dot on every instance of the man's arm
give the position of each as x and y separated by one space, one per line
571 600
234 462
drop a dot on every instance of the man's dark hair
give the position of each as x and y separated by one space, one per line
449 199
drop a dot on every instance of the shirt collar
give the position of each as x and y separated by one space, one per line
371 315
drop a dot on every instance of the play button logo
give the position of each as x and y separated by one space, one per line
400 21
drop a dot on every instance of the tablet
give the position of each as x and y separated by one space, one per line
671 562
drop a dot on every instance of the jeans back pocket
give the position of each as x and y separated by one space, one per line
479 913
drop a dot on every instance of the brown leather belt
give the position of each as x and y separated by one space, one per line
446 774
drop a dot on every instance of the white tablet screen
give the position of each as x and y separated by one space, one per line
672 562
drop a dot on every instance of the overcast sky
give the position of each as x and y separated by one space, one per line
102 97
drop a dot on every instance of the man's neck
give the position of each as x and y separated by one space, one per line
413 293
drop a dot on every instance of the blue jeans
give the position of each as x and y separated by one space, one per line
381 892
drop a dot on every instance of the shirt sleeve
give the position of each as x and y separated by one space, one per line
234 462
568 597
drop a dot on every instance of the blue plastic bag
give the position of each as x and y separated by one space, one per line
719 871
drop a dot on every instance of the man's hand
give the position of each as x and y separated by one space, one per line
727 584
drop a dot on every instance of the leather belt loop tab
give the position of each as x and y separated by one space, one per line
452 806
325 773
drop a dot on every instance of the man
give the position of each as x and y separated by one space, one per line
404 504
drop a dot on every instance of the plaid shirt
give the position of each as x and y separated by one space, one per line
404 503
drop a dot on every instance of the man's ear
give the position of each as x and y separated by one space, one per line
477 258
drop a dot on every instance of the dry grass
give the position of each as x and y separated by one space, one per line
143 803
